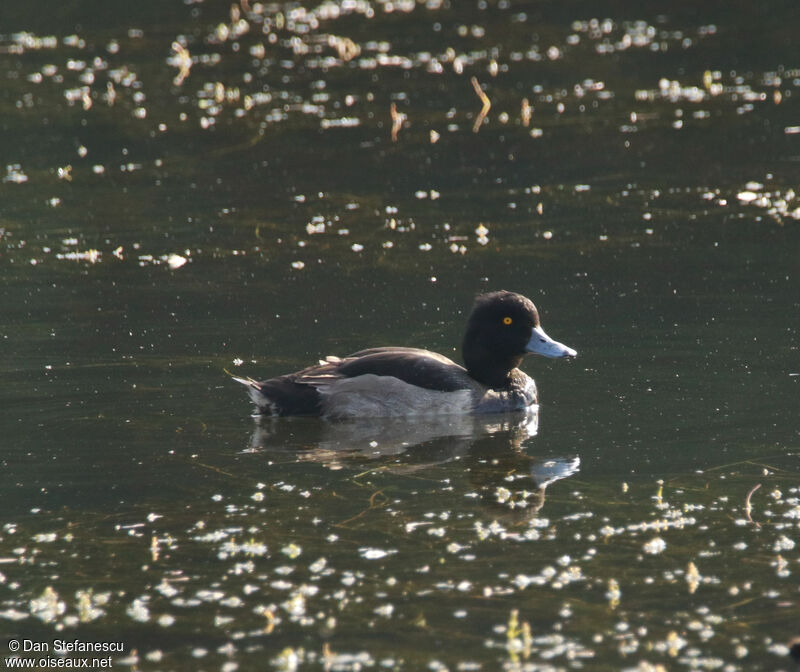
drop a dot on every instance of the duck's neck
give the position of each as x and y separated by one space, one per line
488 367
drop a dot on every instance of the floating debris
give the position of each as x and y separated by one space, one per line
398 119
175 261
48 606
182 60
486 104
655 546
15 174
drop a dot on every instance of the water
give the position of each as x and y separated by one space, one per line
257 215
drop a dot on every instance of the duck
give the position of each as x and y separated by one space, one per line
501 329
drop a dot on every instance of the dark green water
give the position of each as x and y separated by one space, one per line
258 215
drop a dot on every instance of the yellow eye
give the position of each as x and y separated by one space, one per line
507 321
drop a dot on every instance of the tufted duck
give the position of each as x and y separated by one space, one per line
395 381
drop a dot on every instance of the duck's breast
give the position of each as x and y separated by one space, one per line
521 396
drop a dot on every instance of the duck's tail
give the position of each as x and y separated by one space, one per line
281 396
262 402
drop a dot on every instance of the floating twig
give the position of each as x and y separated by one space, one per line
526 112
398 118
182 60
487 104
748 508
373 504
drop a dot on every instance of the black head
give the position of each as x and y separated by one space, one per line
502 328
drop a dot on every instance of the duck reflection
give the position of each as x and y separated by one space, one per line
493 448
512 481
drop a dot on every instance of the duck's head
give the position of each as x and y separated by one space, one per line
502 328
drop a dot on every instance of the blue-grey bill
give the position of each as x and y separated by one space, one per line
542 344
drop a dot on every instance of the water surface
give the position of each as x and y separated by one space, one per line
191 188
